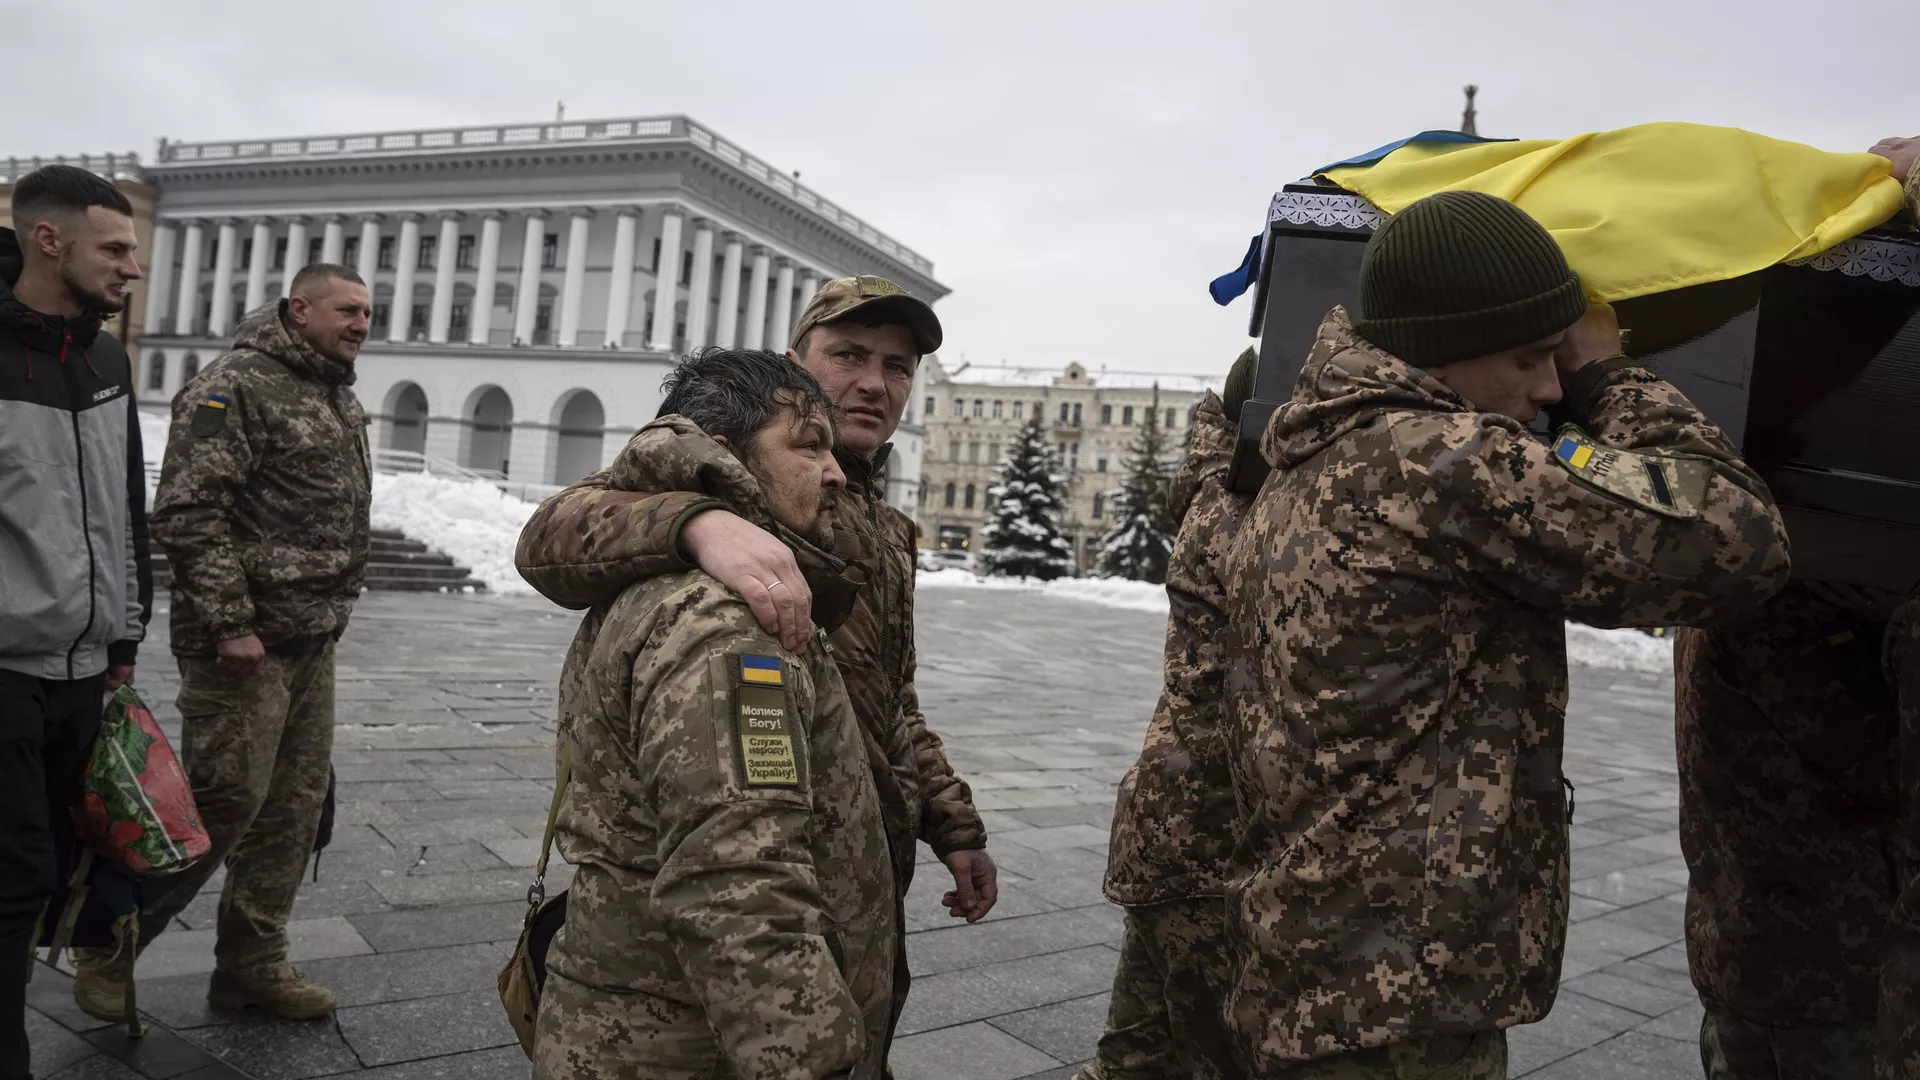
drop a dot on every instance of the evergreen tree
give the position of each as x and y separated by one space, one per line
1141 539
1024 539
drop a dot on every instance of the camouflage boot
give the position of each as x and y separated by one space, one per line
100 982
283 993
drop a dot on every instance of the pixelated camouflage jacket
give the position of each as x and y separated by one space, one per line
1174 824
1789 811
594 538
717 869
263 496
1397 684
1898 1052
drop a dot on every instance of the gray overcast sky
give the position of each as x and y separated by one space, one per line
1077 171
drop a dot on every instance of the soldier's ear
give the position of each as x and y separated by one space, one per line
721 439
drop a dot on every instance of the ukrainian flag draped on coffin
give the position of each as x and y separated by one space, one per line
1655 207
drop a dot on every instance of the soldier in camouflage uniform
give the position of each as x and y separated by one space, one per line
1789 818
1174 822
1397 682
262 509
732 913
1898 1052
862 339
1789 749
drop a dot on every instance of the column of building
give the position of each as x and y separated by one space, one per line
439 322
406 262
714 311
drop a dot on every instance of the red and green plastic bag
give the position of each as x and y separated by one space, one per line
136 807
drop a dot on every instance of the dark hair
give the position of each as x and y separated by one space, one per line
314 273
62 189
868 318
733 392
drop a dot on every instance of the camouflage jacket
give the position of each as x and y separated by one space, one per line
1174 823
263 497
1789 806
721 812
1899 1005
595 538
1398 683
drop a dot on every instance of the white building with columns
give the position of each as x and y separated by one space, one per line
531 283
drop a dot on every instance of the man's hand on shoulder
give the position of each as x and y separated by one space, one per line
754 563
240 656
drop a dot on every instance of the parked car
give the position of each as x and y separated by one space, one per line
949 559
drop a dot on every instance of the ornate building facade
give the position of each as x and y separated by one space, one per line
532 283
972 413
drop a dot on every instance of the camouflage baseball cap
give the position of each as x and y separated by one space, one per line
841 297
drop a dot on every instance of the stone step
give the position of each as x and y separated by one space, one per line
394 564
402 544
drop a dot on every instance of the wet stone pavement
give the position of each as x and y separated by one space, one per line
443 750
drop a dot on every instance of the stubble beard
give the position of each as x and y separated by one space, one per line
96 303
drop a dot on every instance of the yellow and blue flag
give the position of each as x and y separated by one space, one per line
760 669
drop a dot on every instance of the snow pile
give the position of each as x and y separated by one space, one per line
1618 650
471 520
1612 650
1111 592
153 447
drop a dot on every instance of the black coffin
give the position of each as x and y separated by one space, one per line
1812 368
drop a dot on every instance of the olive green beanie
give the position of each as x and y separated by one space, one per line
1462 274
1239 384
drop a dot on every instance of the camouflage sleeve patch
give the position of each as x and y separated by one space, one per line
1663 483
210 415
765 725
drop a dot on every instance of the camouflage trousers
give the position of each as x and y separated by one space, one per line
256 750
1164 1018
1736 1049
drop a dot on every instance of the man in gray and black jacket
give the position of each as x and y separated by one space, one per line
75 585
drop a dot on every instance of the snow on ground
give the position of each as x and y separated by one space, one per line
471 520
1618 650
1614 650
1112 592
153 446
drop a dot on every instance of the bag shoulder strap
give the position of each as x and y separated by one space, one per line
538 894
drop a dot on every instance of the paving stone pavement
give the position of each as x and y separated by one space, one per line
443 753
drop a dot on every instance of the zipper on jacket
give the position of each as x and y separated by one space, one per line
86 524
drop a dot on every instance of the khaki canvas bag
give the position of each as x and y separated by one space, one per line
526 971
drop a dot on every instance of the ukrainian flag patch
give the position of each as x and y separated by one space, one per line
764 670
210 416
1575 454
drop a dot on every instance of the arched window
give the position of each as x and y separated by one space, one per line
977 406
1106 414
949 494
969 496
189 368
157 371
996 409
959 407
1126 416
1169 419
1099 506
1019 408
